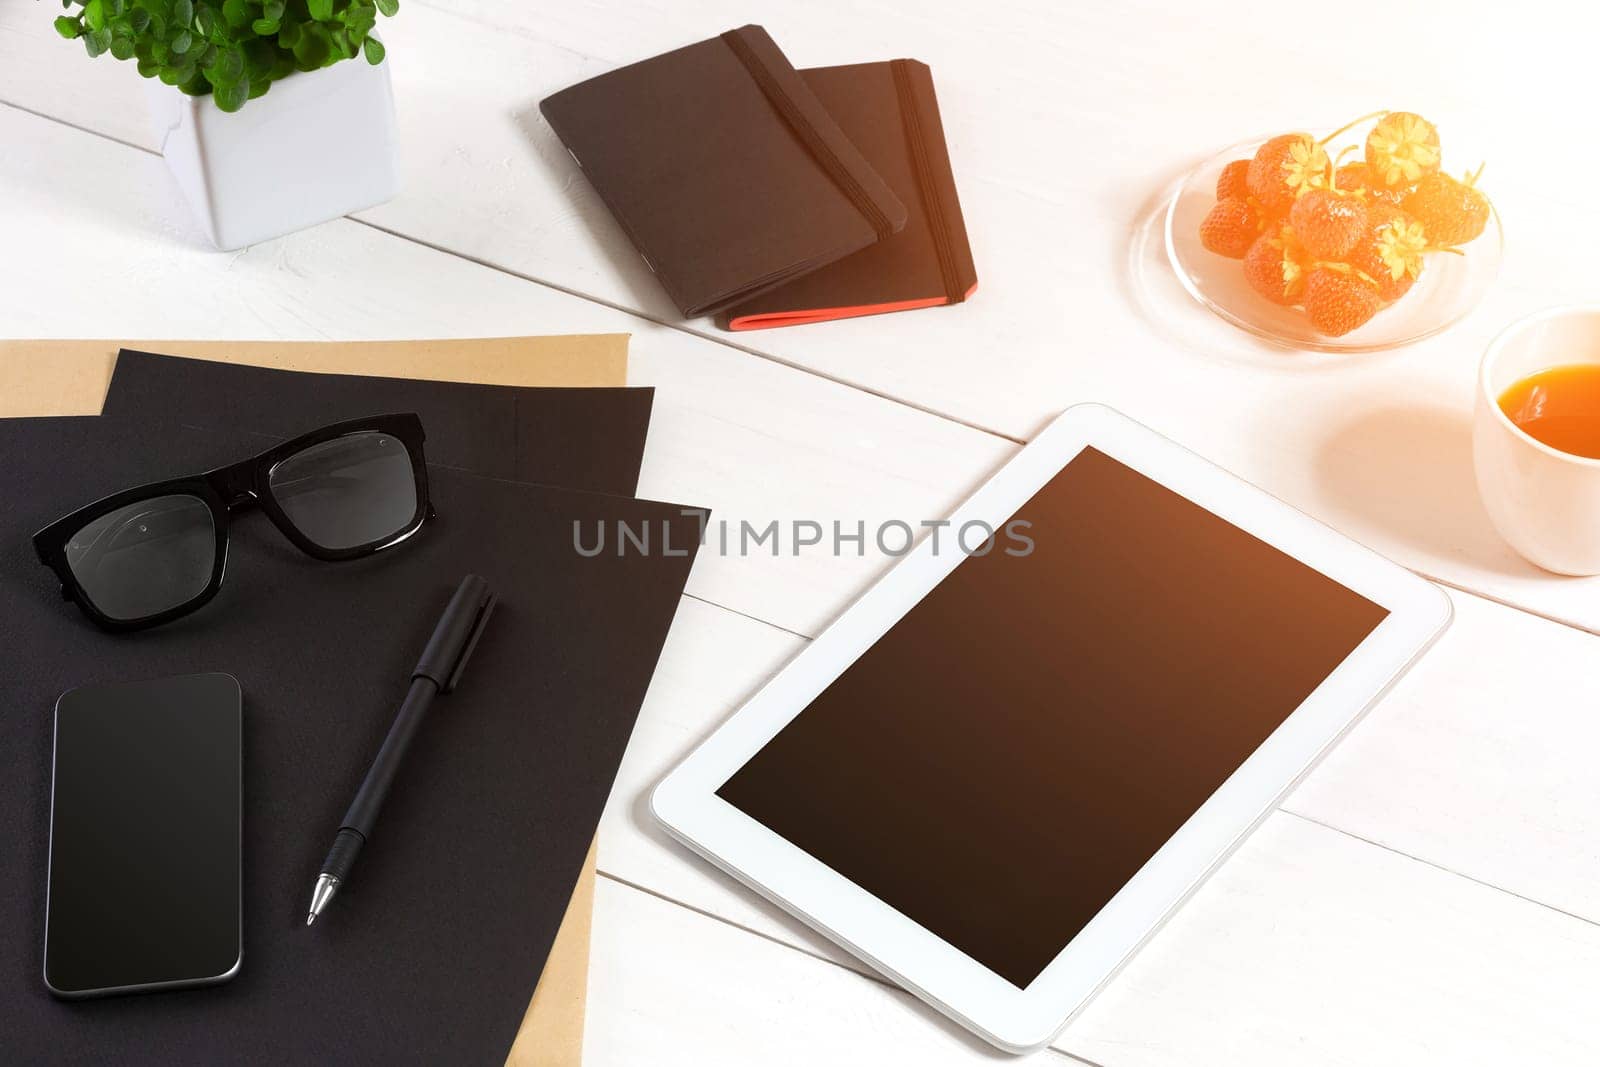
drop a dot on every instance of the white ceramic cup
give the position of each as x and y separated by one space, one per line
1544 502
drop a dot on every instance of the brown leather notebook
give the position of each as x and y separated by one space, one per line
724 168
889 110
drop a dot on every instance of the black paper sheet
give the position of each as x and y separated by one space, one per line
579 438
430 953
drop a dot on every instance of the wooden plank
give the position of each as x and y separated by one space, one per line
669 988
1310 948
1314 949
1481 760
713 660
42 72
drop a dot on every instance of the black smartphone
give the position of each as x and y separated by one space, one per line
143 887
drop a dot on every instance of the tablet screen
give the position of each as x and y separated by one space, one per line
1001 762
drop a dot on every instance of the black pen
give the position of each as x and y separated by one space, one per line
437 671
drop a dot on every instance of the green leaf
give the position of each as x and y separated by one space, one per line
389 7
180 44
114 7
315 46
228 68
94 14
122 48
258 58
232 97
273 9
68 27
205 21
148 68
96 42
171 75
259 88
289 35
208 57
237 14
183 12
372 48
265 27
139 19
341 43
321 10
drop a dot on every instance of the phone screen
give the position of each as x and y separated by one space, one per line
1002 761
144 878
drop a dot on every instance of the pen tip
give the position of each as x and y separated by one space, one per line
327 885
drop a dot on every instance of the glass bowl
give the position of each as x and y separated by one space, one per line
1449 287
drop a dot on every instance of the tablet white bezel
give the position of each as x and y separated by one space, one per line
1022 1019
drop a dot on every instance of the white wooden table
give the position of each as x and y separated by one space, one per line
1430 895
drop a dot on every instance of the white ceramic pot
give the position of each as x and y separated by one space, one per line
1544 502
317 146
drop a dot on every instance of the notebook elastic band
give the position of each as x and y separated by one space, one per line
819 148
928 183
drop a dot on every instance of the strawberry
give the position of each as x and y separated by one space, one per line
1328 223
1402 148
1369 261
1283 167
1337 301
1382 213
1230 228
1358 178
1273 267
1231 182
1391 251
1451 212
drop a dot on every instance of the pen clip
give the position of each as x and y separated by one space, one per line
482 619
457 634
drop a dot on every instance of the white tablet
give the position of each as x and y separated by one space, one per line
998 773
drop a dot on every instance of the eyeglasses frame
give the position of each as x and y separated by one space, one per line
227 490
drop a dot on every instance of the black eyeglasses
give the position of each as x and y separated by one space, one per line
146 556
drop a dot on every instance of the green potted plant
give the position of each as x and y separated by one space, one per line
253 165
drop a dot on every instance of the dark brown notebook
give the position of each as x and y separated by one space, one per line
890 112
727 173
